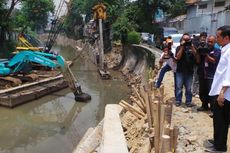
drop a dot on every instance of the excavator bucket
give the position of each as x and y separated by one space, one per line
73 85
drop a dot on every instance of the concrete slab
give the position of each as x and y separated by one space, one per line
90 141
113 140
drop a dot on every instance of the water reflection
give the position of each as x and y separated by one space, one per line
55 123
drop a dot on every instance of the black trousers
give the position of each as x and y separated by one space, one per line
204 88
221 120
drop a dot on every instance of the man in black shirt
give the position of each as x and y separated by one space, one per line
186 58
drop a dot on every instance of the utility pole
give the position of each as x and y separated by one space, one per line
100 15
101 47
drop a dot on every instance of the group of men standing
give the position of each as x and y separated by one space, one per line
211 54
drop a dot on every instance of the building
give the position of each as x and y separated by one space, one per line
206 15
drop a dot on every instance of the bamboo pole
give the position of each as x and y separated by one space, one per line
166 130
171 134
138 103
131 111
162 114
161 90
156 112
168 113
165 143
131 107
147 96
161 123
148 110
175 136
139 97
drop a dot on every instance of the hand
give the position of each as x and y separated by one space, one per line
220 99
182 43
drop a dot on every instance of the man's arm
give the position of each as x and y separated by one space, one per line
161 61
226 84
180 52
216 56
194 52
210 59
220 98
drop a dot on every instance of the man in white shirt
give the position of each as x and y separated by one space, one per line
221 90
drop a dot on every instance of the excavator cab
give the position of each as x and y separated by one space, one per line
27 42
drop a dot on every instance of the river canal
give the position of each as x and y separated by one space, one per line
56 123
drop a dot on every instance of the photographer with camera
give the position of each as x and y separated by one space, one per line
166 57
209 57
195 84
186 56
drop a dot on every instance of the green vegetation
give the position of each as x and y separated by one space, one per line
31 18
35 13
123 16
133 38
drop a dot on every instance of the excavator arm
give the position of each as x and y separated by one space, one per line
20 60
25 42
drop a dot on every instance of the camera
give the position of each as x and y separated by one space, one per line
169 55
169 44
203 48
188 43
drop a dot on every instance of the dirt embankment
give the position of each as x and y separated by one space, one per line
194 127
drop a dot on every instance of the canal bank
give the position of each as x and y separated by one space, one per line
193 128
56 123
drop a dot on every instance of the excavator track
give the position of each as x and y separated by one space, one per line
7 82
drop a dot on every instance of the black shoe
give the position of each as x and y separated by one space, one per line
213 150
202 109
190 105
177 104
209 143
210 115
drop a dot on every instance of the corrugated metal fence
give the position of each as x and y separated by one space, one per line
207 22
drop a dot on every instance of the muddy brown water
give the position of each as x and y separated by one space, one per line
56 123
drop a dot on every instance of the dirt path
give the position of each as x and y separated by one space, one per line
195 127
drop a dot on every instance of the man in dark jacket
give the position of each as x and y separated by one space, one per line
209 58
186 56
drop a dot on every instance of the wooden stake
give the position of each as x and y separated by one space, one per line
168 113
165 144
131 107
138 103
161 93
139 97
162 116
166 130
175 136
148 110
156 112
171 134
148 101
131 111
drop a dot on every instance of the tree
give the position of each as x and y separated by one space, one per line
124 15
178 8
74 19
6 26
37 12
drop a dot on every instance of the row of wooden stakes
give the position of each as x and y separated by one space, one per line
149 102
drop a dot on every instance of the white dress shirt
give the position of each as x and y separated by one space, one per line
222 74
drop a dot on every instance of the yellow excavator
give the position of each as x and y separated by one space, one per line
27 42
